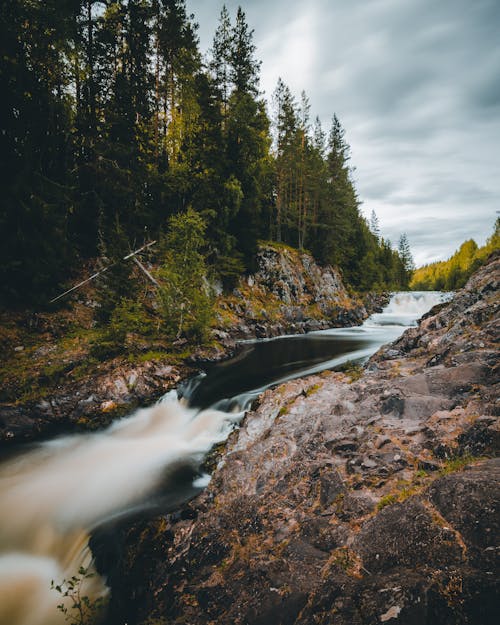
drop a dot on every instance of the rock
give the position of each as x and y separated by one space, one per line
90 403
392 612
307 297
380 441
368 502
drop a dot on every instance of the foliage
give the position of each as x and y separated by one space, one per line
453 273
111 125
456 463
184 293
129 317
353 370
82 609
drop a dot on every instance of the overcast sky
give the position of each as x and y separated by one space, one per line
416 84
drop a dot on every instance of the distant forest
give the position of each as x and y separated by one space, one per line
452 274
112 123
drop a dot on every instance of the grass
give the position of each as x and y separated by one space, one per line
456 463
312 389
405 489
353 370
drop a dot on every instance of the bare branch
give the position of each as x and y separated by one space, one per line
98 273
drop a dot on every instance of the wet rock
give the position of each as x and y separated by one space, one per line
87 404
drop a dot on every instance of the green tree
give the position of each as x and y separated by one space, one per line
35 148
221 58
408 266
374 224
247 142
184 295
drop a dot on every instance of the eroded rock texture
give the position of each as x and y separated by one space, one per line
343 501
291 294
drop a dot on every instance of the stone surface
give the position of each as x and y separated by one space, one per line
90 403
369 502
291 294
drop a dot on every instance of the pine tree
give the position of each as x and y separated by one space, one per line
408 266
339 239
221 59
247 141
244 68
286 125
35 155
374 224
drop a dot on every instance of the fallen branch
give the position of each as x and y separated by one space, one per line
98 273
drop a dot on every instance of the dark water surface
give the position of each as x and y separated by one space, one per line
233 384
259 365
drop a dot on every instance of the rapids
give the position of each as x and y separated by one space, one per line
52 495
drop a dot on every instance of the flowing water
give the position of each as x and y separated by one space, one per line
54 494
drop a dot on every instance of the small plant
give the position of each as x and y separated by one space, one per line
387 500
347 560
456 463
352 370
312 389
129 317
78 609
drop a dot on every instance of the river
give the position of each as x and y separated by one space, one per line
53 494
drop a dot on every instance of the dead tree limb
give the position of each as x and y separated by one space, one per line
98 273
145 271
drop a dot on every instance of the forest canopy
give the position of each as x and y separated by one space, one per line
112 123
452 274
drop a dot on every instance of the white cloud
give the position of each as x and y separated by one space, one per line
415 84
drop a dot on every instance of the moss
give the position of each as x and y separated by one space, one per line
388 500
457 463
421 479
312 389
405 489
148 356
354 371
347 560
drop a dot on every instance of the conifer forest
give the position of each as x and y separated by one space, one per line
113 123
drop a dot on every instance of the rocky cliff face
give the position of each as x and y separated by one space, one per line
289 294
344 500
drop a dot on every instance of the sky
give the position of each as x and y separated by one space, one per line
416 85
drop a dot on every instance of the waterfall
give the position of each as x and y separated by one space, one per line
52 496
405 308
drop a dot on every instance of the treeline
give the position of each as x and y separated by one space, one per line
112 123
452 274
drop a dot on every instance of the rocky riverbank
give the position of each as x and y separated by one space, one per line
345 499
52 383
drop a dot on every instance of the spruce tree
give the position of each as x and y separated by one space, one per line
408 266
221 59
35 154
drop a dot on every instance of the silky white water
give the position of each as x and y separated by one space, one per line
54 494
